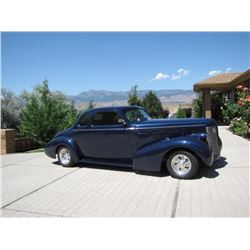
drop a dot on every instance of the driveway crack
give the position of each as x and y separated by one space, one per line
32 212
37 189
174 206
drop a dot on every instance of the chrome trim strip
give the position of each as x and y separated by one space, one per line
138 128
176 126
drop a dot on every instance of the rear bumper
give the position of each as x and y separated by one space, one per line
50 150
51 147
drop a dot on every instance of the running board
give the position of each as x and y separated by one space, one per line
107 163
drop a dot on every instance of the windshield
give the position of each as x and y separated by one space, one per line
136 115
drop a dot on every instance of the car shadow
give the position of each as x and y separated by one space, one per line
205 171
163 173
56 163
211 171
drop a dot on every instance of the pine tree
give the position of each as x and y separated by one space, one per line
45 114
152 105
133 98
91 105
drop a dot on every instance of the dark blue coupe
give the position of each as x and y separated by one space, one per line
126 136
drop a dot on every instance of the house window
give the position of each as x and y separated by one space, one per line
230 95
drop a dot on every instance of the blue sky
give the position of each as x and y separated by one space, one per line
75 62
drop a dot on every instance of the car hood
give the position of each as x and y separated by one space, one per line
176 122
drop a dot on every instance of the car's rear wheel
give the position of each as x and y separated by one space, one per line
65 157
182 164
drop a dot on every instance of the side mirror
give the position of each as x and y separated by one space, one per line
121 122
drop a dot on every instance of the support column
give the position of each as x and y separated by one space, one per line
8 141
206 104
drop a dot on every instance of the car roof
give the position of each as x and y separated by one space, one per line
107 108
113 108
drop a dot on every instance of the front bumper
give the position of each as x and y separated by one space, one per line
218 153
214 141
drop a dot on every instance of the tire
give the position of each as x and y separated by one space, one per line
182 164
65 157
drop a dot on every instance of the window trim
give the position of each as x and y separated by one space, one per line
78 125
105 125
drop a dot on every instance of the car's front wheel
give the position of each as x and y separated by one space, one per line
182 164
65 157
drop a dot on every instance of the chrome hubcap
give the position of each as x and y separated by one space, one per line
64 156
181 164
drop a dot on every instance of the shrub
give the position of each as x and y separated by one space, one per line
238 114
239 127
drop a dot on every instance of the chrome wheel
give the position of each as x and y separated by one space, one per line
64 156
181 164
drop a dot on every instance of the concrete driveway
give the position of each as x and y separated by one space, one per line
34 185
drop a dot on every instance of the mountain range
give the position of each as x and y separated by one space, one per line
105 96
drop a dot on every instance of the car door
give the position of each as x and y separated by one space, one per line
109 138
80 134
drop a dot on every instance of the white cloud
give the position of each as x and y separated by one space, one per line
183 72
175 77
160 76
228 69
180 73
214 72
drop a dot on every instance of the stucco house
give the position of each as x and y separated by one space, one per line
226 82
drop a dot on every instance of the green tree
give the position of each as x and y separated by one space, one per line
180 113
133 96
197 106
45 114
152 105
91 105
10 109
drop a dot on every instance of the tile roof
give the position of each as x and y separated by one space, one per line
222 81
221 78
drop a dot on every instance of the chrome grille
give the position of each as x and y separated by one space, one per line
212 138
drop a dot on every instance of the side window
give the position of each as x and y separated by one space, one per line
105 118
84 121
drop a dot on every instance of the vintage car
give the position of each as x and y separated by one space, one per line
127 137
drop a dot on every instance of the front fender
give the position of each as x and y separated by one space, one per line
51 147
150 157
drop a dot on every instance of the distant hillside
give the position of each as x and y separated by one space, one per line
105 96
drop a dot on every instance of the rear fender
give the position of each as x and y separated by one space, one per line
52 147
149 157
